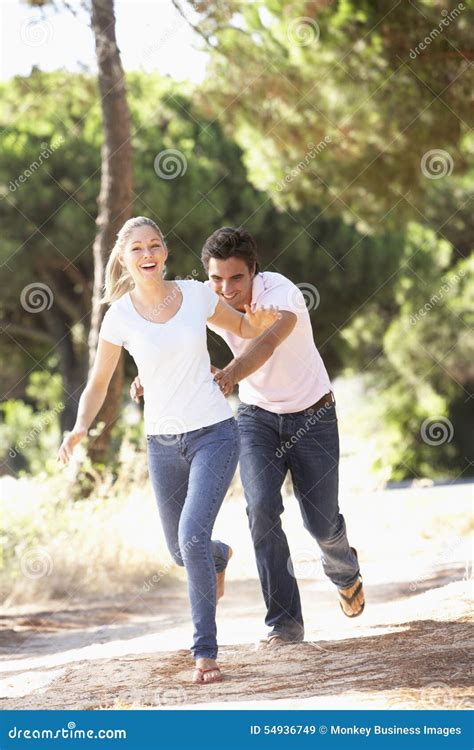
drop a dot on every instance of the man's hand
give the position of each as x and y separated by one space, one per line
136 390
226 379
257 353
261 318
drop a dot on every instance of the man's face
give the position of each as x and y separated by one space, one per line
232 280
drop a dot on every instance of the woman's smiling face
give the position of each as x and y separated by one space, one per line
144 255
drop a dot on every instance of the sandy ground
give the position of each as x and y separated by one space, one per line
410 648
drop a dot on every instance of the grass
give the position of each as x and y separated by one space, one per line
53 547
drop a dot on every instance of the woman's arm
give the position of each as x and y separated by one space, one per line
248 325
92 397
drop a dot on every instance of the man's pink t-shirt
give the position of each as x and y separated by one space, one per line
294 377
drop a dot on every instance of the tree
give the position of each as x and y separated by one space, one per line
115 198
116 193
336 104
47 215
422 370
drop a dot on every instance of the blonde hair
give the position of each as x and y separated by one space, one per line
117 279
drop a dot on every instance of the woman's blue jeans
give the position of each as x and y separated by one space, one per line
191 474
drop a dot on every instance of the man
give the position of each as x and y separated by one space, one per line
287 422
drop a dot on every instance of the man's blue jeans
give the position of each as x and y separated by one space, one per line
307 444
190 474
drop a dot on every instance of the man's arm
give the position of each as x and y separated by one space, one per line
248 325
259 351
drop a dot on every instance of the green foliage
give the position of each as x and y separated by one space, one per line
339 106
28 439
317 209
44 389
288 75
213 190
29 431
423 373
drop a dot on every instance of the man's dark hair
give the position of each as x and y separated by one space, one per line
228 242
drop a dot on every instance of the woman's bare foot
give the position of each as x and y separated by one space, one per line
220 579
206 671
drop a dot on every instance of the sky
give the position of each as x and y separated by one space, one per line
151 35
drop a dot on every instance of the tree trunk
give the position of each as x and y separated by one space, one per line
74 376
115 199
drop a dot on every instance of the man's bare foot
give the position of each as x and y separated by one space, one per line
220 578
352 599
206 671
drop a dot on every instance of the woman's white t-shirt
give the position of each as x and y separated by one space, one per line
172 360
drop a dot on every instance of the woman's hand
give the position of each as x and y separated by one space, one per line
69 443
261 318
136 390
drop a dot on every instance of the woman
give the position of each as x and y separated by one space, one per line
192 436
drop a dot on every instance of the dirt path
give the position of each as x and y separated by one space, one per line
408 650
